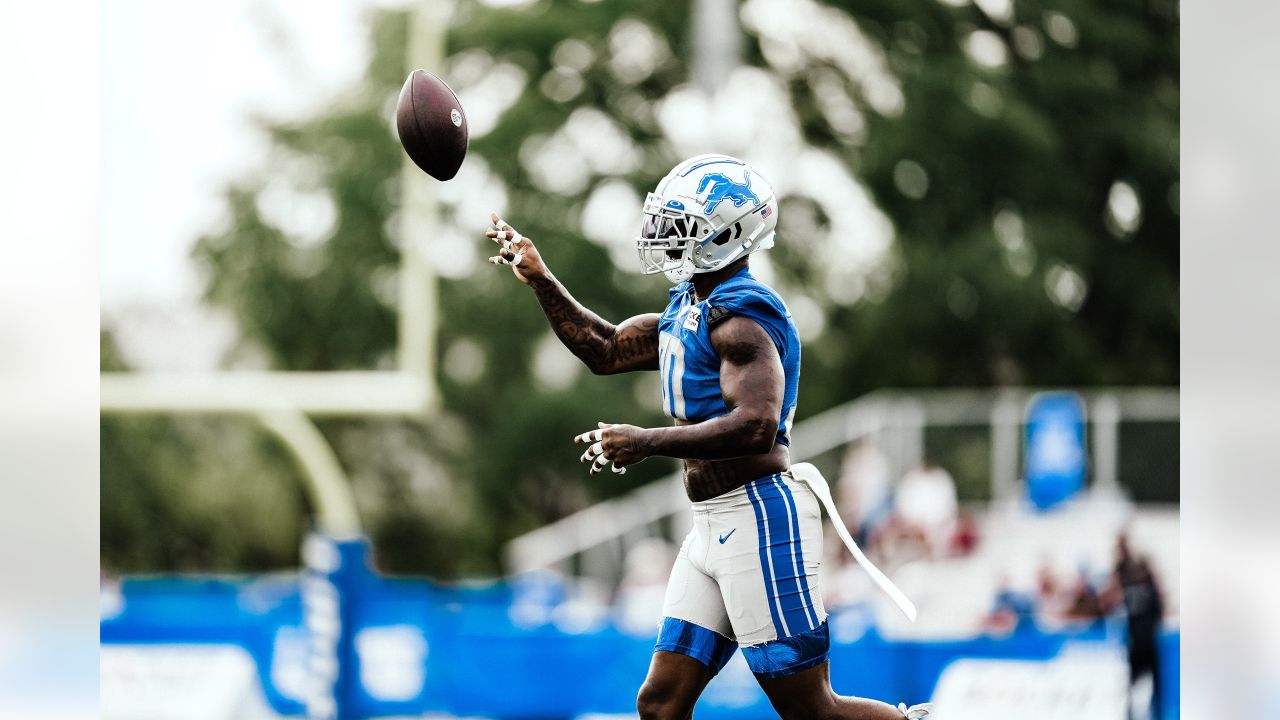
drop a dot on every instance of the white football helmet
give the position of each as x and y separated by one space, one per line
707 212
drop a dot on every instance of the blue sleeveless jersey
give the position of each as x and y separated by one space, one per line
689 366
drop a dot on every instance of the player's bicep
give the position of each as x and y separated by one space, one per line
634 345
751 375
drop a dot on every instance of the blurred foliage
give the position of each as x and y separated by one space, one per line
193 494
1029 152
1006 268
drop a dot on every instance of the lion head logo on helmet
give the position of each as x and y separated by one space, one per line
700 218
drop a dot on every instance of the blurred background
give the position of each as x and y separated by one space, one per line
337 476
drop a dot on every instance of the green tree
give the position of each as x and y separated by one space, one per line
1009 266
194 494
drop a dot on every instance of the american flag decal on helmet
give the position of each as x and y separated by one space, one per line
766 212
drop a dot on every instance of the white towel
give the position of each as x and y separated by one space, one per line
809 475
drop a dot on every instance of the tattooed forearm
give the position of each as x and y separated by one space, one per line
736 434
601 346
581 330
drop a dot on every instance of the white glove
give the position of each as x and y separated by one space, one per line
915 711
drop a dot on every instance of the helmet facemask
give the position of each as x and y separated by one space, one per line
666 240
708 212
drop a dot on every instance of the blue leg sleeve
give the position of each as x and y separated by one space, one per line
706 646
788 656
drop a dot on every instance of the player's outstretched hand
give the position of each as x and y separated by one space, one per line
515 250
622 445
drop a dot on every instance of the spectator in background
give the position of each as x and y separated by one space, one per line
1051 596
1082 602
1047 589
926 508
1134 586
1010 611
864 492
864 497
1070 605
965 539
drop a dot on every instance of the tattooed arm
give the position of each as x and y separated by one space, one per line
603 347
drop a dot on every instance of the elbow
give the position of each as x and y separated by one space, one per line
602 362
599 368
596 362
760 433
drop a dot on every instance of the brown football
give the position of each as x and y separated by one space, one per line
432 125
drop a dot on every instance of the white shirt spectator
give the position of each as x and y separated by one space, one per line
926 500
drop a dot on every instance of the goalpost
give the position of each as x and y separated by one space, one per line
335 555
286 402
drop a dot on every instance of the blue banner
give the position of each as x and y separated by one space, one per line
514 651
1055 448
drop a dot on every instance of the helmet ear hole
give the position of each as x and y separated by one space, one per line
721 237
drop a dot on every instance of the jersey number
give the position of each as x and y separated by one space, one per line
671 370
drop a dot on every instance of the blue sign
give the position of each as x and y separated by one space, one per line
335 571
1055 451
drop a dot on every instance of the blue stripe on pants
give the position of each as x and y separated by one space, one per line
786 563
804 578
770 591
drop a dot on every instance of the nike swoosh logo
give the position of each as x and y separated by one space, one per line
726 535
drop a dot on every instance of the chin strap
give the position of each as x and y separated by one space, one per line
681 273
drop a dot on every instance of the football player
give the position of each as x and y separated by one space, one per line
729 361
